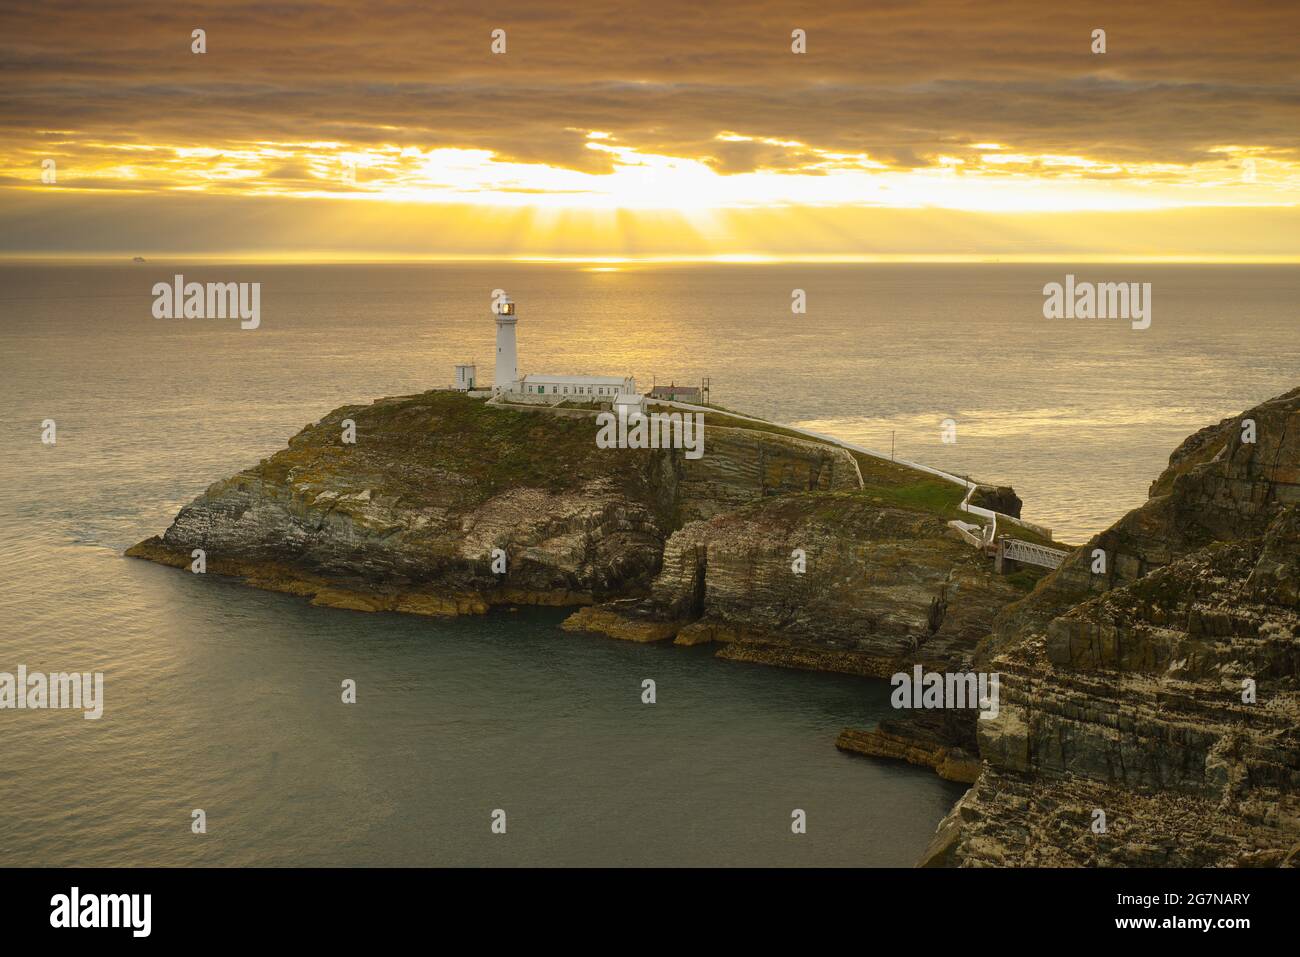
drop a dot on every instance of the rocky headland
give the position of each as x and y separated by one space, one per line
1122 679
658 546
1150 710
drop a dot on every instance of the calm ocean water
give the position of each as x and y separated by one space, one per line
226 699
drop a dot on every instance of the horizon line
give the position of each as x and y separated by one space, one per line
633 261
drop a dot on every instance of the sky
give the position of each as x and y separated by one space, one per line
926 129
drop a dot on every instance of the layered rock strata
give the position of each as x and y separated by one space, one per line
1150 693
831 582
408 516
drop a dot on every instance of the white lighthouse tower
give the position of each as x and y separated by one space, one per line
507 365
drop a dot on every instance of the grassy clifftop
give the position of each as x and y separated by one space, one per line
411 443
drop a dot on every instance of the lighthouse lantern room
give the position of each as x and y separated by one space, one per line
507 366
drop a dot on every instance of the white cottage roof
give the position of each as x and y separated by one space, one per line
547 378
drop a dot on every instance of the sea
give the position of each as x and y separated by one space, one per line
226 700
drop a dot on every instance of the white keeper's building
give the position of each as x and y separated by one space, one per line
506 378
590 386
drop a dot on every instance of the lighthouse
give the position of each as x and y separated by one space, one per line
543 388
507 365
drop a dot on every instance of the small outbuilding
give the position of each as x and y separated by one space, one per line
464 381
676 393
629 403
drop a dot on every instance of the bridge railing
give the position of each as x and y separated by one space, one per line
1030 553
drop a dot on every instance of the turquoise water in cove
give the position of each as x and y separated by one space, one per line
227 699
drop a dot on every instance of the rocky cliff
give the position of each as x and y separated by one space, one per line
1150 705
1150 710
406 516
831 581
780 549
